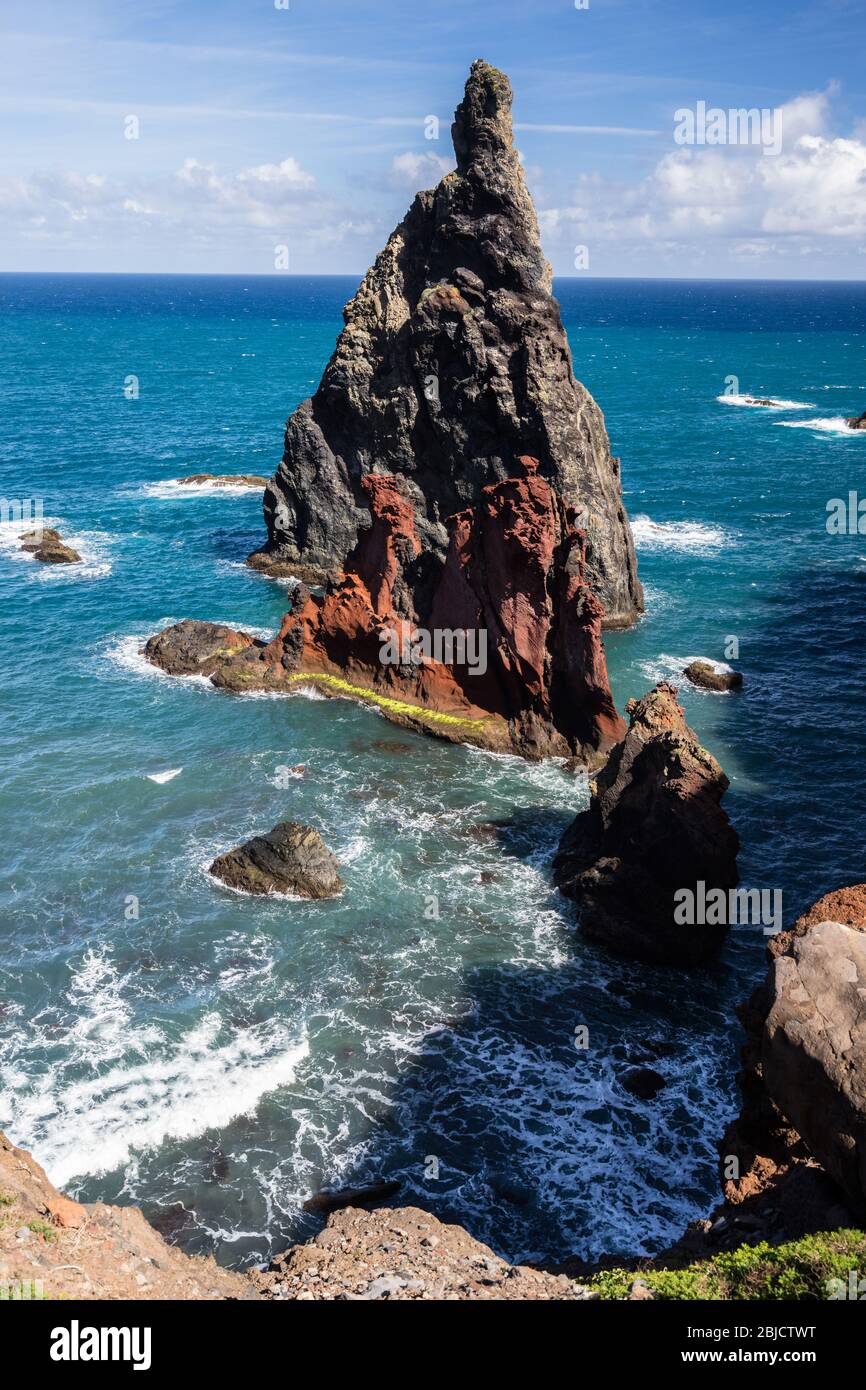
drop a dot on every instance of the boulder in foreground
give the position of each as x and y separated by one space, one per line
813 1050
403 1253
90 1250
800 1070
655 826
291 859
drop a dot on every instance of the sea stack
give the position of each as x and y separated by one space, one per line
655 829
451 486
453 362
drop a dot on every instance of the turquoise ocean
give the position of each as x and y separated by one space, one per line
216 1058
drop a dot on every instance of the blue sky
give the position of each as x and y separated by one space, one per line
261 127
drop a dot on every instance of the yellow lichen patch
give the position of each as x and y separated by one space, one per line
395 706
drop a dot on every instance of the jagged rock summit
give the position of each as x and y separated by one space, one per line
452 363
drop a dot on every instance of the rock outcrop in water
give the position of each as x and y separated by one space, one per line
291 859
705 675
250 480
49 547
655 826
453 362
856 422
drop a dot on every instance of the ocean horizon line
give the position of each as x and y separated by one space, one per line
359 275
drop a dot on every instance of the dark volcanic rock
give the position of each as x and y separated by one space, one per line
335 1199
856 422
655 825
643 1082
194 648
49 547
703 674
452 363
291 859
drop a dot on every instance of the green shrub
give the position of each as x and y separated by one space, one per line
798 1269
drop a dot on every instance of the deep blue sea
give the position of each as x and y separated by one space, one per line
216 1058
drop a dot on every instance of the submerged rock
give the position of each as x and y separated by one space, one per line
453 362
224 480
643 1082
49 547
291 859
704 674
335 1199
654 827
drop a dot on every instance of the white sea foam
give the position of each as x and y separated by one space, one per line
123 1089
655 601
666 667
162 777
833 424
676 535
245 893
94 547
127 653
758 403
170 490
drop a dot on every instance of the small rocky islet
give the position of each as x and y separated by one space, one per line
250 480
708 677
291 859
451 471
49 548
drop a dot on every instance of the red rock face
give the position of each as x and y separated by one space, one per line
514 573
514 658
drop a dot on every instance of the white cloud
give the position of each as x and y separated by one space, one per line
261 196
736 200
419 170
274 196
